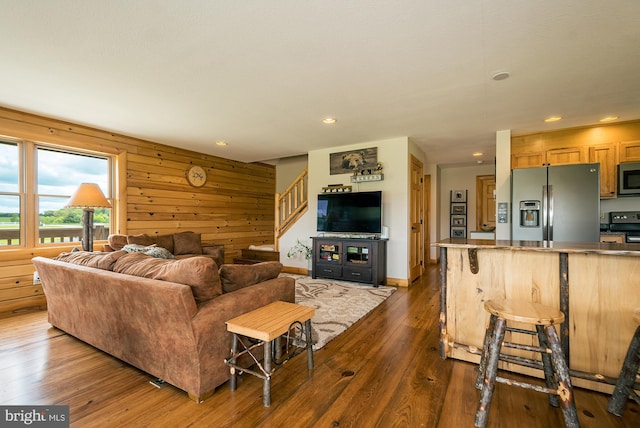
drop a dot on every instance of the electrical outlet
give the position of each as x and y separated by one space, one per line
36 279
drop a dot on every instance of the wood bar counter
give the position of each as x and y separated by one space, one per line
595 285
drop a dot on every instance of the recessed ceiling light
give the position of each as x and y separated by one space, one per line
553 119
501 75
222 143
476 154
609 119
329 120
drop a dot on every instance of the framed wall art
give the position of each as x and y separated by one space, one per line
458 209
458 232
353 160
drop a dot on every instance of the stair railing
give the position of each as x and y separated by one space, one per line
291 204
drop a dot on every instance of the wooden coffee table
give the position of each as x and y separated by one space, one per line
267 324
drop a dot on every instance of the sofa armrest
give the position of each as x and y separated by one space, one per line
219 310
216 252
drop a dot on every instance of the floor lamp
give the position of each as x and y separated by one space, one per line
88 196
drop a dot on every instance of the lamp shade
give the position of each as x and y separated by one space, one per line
88 195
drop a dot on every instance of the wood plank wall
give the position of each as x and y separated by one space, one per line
234 208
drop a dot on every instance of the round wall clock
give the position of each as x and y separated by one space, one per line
197 176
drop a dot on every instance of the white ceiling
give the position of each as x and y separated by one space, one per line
262 74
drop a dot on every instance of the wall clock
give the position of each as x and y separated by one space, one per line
197 176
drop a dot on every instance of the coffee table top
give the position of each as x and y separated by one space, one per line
270 321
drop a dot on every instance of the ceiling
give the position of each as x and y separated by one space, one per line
262 74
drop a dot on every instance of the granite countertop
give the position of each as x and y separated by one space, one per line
544 246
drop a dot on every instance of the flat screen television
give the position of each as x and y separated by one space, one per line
357 212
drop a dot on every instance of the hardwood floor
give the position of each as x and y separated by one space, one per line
384 372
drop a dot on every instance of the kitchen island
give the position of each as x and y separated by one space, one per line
596 286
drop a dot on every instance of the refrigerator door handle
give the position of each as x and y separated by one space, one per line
545 212
550 195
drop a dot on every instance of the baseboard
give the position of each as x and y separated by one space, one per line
396 282
296 270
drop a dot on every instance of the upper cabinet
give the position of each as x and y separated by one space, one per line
608 145
606 155
563 156
630 151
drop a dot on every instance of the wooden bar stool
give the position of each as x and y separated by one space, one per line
628 374
556 371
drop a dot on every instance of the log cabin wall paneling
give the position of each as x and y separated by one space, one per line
235 207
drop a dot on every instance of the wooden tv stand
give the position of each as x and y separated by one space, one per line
350 259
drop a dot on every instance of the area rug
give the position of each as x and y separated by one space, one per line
338 304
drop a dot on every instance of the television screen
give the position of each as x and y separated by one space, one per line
358 212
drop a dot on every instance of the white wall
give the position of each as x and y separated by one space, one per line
288 169
394 155
460 178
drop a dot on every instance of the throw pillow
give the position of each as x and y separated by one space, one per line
151 250
235 277
142 239
187 243
117 241
200 273
96 259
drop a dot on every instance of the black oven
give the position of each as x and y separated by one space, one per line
629 178
627 222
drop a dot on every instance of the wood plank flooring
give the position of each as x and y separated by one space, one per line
382 372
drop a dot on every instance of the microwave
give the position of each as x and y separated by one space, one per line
629 179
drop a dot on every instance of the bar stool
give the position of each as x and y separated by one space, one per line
628 374
556 371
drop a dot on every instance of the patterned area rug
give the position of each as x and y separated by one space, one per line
338 304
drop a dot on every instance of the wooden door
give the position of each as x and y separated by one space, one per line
485 200
416 210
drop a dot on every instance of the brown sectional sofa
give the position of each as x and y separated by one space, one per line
165 317
182 245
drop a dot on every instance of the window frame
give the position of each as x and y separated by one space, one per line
28 189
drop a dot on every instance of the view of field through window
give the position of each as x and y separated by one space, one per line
57 175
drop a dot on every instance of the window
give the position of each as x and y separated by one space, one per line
10 225
54 177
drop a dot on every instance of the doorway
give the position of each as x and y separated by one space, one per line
485 200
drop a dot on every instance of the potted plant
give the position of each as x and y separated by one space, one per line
300 248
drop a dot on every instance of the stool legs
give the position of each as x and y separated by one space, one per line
490 371
556 371
624 385
549 376
485 351
565 390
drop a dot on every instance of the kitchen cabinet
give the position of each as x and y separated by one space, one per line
606 155
630 151
350 259
612 238
560 156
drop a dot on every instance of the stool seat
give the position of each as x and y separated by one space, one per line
524 311
636 316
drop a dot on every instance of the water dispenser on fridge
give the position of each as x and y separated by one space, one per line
530 213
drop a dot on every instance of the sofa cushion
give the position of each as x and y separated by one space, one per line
92 259
142 239
164 241
235 277
187 243
200 273
152 250
117 241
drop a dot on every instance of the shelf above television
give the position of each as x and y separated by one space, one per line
367 177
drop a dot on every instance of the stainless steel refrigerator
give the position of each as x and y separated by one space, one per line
556 203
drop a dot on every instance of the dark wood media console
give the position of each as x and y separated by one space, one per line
350 259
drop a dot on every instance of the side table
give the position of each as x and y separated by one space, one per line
266 325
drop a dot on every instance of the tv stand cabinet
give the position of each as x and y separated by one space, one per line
350 259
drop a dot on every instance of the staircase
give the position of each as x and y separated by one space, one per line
291 205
